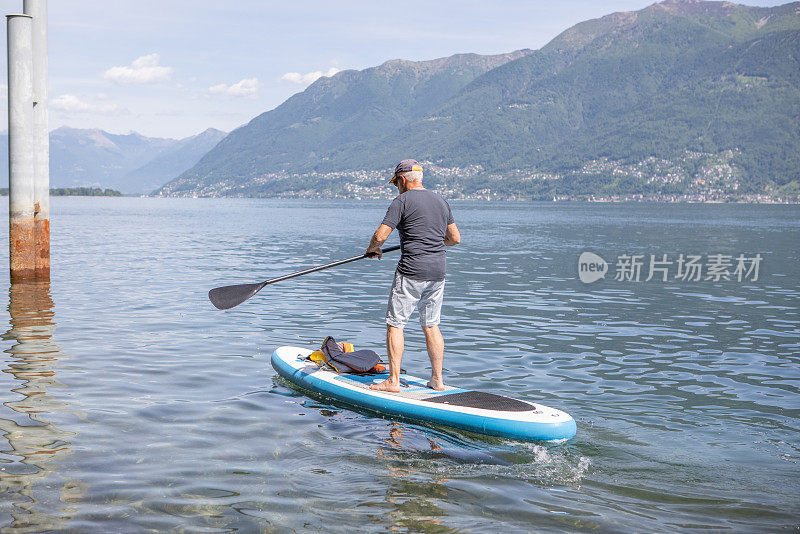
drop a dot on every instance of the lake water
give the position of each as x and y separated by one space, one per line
129 403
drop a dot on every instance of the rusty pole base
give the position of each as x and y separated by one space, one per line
22 237
42 252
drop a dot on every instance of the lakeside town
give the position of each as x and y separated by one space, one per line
693 177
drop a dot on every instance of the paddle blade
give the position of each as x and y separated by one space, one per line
225 298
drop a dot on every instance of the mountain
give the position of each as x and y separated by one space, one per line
683 82
172 161
131 163
349 107
676 76
91 157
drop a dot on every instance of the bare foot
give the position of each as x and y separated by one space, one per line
437 385
386 385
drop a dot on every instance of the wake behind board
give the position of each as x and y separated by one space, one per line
484 413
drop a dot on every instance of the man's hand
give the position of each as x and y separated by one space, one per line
452 236
378 239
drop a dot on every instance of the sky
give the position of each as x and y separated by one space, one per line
173 68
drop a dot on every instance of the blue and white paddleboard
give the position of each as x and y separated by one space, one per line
484 413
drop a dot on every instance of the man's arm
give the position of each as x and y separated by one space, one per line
378 238
453 236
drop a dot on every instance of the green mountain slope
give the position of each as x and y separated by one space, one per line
655 83
349 107
675 78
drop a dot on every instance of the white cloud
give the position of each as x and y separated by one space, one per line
144 69
309 78
73 104
246 87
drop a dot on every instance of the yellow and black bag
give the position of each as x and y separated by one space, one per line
343 358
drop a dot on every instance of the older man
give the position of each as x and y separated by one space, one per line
426 226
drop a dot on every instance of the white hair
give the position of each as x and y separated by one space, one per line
412 176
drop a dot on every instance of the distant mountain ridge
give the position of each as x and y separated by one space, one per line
174 160
89 157
674 78
349 107
131 163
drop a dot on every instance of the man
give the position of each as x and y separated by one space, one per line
426 226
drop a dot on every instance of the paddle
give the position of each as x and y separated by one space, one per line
225 298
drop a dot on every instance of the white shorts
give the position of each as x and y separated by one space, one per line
407 293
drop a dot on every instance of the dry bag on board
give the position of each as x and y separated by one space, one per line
359 361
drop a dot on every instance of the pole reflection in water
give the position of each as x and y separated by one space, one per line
34 444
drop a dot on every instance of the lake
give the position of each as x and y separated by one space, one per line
129 403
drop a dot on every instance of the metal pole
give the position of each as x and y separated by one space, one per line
41 140
20 148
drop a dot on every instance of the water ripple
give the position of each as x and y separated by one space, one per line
132 404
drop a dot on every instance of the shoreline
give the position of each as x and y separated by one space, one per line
603 200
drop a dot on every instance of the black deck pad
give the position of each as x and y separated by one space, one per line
480 399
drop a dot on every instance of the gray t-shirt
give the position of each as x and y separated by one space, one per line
421 218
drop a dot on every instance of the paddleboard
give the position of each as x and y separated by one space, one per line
476 411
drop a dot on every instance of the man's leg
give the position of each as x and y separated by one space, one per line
402 299
435 343
430 309
395 343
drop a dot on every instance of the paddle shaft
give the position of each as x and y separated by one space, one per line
225 298
326 266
